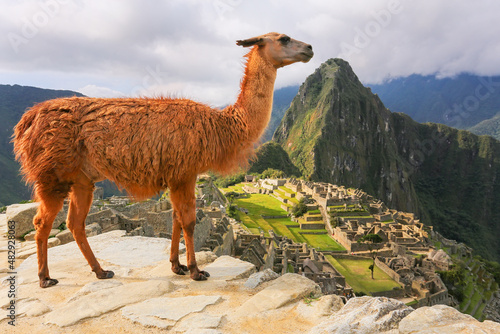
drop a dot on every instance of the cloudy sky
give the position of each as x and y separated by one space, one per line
187 47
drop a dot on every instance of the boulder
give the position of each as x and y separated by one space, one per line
321 307
23 215
31 236
365 315
93 229
65 237
258 278
228 268
284 290
442 319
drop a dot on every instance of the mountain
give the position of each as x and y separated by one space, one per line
338 131
281 102
461 102
272 155
490 127
14 100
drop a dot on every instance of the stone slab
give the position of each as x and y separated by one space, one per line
103 301
132 252
164 312
260 277
228 268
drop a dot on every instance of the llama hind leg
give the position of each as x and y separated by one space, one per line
80 201
50 205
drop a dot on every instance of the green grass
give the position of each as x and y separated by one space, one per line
323 242
290 199
259 204
476 297
285 189
413 302
236 188
358 276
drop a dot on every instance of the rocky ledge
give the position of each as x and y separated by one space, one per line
145 297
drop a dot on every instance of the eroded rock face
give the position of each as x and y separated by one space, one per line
365 315
442 319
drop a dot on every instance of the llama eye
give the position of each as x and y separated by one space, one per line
284 39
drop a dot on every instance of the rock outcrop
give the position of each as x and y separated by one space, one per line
145 296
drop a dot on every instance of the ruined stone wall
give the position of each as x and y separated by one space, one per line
161 221
394 293
202 232
385 268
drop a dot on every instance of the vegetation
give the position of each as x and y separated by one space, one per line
356 272
373 238
231 180
454 280
259 205
300 208
271 156
490 127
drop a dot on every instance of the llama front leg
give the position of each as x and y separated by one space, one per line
196 273
80 201
183 201
177 268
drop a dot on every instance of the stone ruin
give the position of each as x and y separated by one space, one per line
282 255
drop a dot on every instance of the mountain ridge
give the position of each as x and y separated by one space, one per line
461 101
338 131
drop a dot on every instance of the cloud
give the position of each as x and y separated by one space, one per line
113 46
96 91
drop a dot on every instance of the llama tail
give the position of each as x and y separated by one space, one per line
22 141
45 144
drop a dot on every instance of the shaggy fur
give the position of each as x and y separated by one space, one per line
144 145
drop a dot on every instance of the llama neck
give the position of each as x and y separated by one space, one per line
256 96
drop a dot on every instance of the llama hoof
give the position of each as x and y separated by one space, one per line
201 276
105 274
180 270
48 282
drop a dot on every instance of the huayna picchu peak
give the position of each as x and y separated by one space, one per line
338 131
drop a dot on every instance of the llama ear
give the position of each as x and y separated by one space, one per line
251 41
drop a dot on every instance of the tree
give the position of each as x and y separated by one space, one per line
299 209
371 267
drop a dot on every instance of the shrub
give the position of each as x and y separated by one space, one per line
299 209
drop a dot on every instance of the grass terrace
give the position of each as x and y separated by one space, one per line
358 276
236 188
259 205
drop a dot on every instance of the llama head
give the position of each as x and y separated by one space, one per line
280 49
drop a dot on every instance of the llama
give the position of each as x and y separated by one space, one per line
144 145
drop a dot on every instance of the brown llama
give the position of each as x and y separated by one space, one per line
144 145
